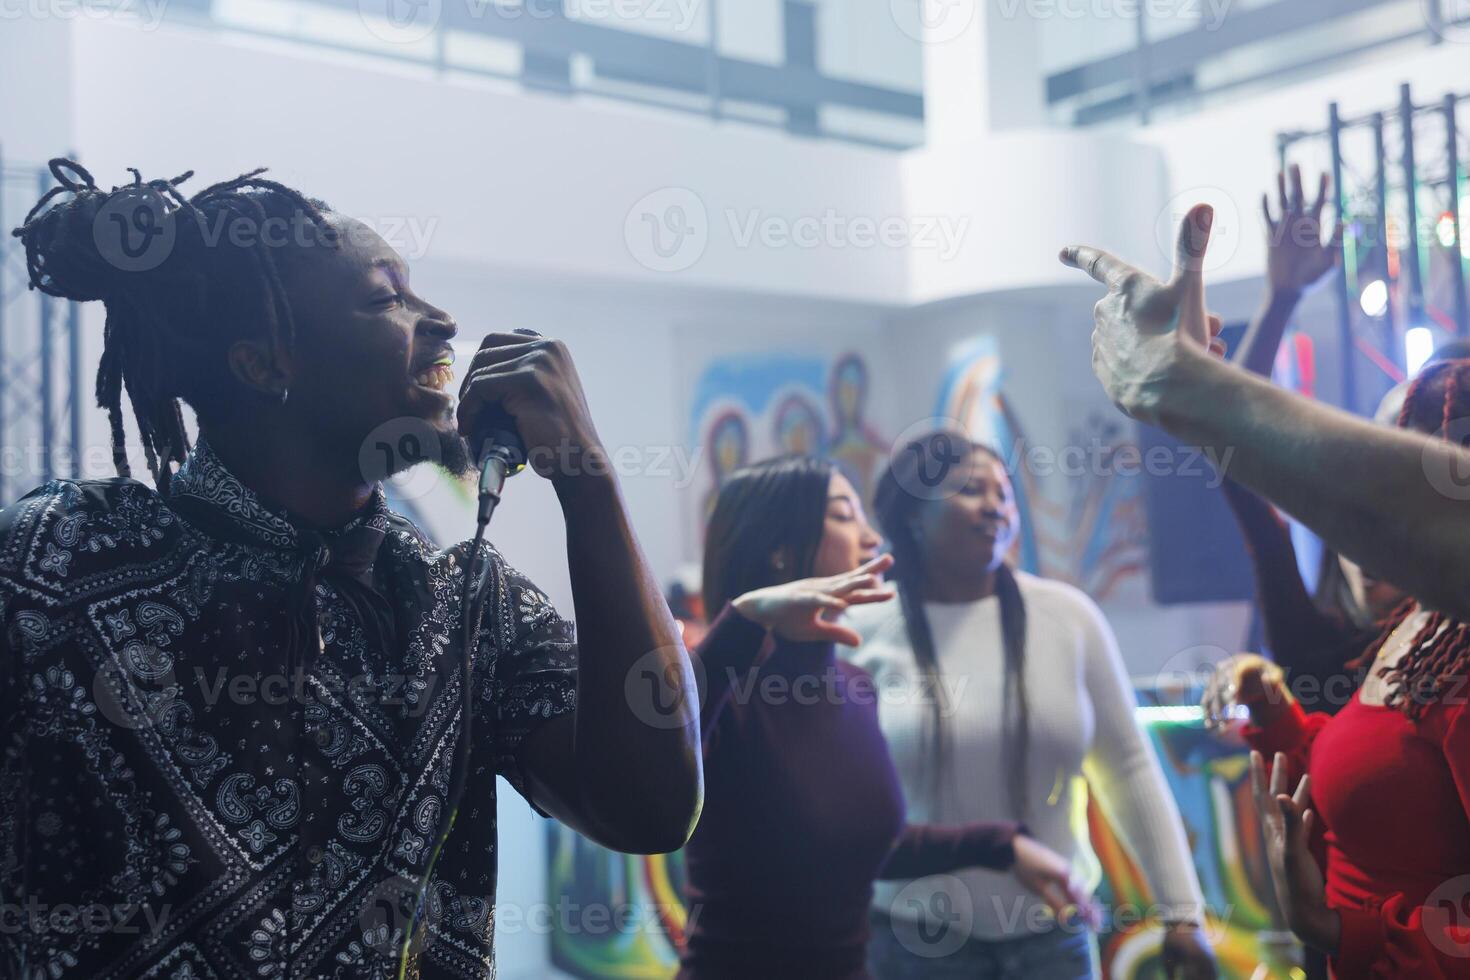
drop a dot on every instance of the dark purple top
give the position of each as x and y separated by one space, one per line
803 810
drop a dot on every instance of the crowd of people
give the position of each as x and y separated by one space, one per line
825 837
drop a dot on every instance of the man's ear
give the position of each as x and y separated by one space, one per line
259 367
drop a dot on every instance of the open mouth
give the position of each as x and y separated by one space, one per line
438 375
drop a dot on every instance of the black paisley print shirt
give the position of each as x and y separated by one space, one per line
227 739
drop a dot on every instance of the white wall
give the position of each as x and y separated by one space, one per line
35 59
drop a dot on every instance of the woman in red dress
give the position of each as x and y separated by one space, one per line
1383 807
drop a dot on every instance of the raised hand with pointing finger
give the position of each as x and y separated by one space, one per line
1145 327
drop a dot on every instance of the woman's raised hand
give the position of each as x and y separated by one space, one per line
798 611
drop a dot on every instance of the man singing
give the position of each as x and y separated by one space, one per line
231 704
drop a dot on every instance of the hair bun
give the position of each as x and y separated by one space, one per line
97 244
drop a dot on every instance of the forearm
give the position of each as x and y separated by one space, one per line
928 849
1301 636
636 760
1372 493
1257 350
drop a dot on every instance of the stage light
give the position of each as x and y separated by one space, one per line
1418 346
1465 223
1445 229
1375 298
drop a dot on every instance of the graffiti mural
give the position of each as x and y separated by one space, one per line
855 446
752 407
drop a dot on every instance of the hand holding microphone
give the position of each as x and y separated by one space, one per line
523 385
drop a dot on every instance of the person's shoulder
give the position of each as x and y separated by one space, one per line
419 543
77 496
64 530
75 507
1056 595
1063 609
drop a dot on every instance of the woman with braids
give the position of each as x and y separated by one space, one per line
1388 776
242 707
1012 689
803 809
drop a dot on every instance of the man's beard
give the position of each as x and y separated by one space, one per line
454 453
449 451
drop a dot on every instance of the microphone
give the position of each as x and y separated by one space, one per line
502 455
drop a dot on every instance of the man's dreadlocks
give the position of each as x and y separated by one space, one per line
169 325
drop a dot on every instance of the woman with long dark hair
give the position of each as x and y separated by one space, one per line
1017 691
802 804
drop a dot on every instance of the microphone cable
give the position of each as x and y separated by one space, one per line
502 460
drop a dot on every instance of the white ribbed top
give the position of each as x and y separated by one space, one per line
1082 724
